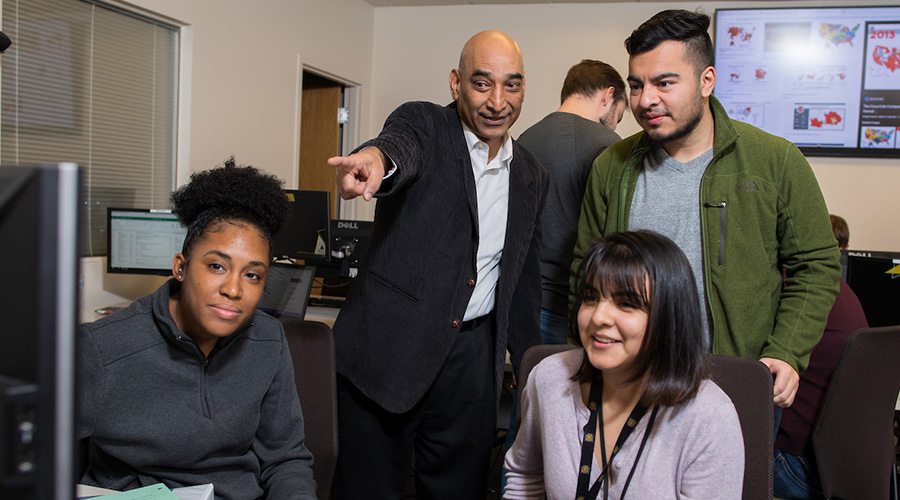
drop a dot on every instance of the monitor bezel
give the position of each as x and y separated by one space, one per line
130 270
45 397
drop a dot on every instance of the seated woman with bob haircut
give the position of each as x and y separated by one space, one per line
632 414
191 384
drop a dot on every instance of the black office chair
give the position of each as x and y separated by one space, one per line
749 385
532 357
853 436
312 350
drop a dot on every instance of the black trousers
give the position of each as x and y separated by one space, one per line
450 430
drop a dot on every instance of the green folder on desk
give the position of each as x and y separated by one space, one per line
152 492
199 492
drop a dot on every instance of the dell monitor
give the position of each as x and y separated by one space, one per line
305 234
349 243
142 241
39 231
875 278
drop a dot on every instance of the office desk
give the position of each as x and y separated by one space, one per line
323 314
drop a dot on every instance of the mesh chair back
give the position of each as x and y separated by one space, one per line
749 385
853 437
312 350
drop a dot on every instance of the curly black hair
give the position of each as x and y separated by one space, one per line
230 194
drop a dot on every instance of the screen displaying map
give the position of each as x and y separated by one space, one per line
827 79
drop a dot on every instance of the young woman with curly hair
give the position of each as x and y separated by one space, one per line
190 384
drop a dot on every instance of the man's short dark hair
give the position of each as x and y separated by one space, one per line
589 76
680 25
841 230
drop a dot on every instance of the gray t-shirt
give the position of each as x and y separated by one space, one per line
566 145
667 200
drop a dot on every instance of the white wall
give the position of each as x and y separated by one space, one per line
244 72
244 90
415 48
243 94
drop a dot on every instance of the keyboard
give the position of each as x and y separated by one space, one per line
324 301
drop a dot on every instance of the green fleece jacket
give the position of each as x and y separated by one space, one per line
761 213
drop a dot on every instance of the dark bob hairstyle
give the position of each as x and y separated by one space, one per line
672 352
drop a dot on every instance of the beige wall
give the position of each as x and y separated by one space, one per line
244 56
415 48
243 96
243 88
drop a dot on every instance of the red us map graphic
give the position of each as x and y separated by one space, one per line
889 57
831 118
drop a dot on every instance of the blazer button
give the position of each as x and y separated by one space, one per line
455 323
470 282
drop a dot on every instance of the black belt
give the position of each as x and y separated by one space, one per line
475 323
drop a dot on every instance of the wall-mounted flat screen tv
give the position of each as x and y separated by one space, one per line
826 79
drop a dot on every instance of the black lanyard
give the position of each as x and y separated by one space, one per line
587 445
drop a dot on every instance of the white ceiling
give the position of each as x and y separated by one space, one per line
411 3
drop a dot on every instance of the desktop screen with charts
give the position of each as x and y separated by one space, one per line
143 241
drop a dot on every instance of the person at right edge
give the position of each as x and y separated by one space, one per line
742 204
796 472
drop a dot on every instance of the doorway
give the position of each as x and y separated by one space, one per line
321 132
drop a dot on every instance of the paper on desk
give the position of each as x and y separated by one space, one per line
201 492
83 491
152 492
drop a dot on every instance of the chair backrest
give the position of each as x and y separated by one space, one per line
749 385
853 436
312 350
532 357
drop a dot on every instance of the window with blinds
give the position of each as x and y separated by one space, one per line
96 85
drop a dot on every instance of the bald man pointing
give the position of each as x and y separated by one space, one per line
450 282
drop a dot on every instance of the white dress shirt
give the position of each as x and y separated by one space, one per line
492 188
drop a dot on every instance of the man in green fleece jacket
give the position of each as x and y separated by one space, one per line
744 205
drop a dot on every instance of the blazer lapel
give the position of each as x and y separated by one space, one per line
464 165
520 220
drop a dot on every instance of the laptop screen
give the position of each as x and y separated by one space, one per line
287 290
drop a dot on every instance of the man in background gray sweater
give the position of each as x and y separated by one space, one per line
566 142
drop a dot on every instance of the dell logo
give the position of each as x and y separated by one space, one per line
347 225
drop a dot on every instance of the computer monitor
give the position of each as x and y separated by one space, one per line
305 234
287 290
39 231
822 77
142 241
875 279
349 243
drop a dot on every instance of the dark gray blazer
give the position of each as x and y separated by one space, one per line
396 327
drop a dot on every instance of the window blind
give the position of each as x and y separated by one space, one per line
96 85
